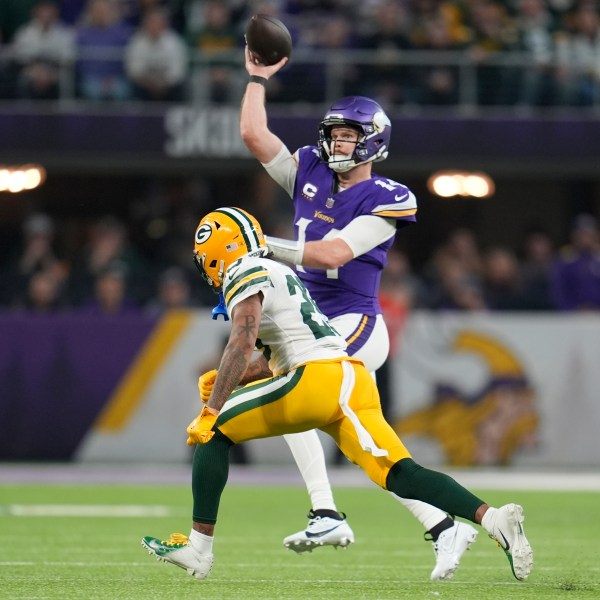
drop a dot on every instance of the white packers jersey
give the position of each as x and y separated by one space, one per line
292 329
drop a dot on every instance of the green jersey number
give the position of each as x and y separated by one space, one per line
311 315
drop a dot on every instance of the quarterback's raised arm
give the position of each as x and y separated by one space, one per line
254 129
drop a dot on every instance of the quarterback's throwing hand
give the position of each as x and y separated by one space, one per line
255 67
200 429
206 381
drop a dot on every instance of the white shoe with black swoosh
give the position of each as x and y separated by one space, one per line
321 531
177 551
507 529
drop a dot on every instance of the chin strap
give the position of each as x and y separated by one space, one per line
341 165
220 309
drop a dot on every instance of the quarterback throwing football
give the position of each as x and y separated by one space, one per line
346 218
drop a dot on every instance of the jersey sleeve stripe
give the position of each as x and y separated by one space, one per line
245 274
383 212
244 285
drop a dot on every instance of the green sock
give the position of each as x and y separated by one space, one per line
407 479
210 470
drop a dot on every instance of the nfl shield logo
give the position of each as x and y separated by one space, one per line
330 202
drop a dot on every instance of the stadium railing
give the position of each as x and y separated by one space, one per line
505 73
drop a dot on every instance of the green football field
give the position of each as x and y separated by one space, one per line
73 541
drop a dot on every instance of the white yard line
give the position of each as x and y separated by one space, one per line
85 510
349 476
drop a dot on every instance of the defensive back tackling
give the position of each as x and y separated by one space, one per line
313 384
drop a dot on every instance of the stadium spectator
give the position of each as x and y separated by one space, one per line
489 30
110 295
43 51
13 15
38 253
578 53
437 84
452 13
535 267
452 278
451 286
173 292
212 36
493 32
462 245
134 11
44 294
101 40
535 82
312 9
385 29
501 280
71 11
109 248
575 279
334 34
156 60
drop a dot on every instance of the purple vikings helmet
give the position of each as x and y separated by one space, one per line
369 118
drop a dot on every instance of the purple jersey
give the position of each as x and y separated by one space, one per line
319 211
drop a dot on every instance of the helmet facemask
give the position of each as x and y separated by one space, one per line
199 261
368 119
340 163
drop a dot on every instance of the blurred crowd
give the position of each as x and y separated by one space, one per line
190 50
111 275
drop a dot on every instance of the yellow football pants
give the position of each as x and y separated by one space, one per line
337 396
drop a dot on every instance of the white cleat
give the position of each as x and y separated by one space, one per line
180 553
507 530
321 531
449 548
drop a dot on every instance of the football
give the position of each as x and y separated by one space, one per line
268 39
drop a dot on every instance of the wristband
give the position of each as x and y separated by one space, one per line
258 79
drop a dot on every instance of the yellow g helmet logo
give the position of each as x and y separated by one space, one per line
222 237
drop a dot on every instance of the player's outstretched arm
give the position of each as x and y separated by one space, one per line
238 352
321 254
254 130
326 254
358 237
